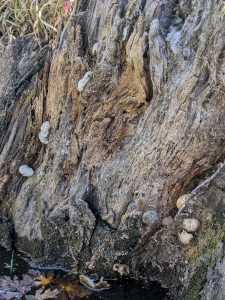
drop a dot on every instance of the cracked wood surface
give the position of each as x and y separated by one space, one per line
147 125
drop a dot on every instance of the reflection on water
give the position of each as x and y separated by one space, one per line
68 286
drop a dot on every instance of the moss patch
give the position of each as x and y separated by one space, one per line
208 239
196 284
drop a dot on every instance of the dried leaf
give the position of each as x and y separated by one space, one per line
9 295
102 285
75 290
15 288
5 283
86 281
42 294
47 294
92 286
15 285
67 287
45 279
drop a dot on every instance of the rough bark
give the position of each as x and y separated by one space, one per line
148 127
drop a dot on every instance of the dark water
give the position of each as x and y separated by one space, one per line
120 289
131 290
20 266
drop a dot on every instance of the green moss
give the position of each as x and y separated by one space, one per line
196 284
208 239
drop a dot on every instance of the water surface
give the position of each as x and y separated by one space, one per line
120 289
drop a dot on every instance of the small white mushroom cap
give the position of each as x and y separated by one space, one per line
190 224
84 81
95 49
43 137
167 221
45 127
26 171
151 217
181 201
185 237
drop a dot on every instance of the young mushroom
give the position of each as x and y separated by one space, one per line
185 237
167 221
95 49
43 134
26 171
190 224
151 217
84 81
42 137
45 127
181 201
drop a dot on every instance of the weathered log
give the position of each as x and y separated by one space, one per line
146 128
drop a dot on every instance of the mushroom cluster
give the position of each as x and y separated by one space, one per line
43 134
189 226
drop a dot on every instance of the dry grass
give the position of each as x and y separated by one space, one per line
40 18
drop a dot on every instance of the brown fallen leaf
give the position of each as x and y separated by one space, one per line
42 294
92 286
102 284
45 279
9 295
86 281
67 287
74 290
15 285
27 281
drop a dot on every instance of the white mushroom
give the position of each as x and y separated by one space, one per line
84 81
45 127
26 171
167 221
190 224
185 237
181 201
95 49
151 217
43 137
43 134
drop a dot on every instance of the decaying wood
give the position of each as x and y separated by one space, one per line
145 129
